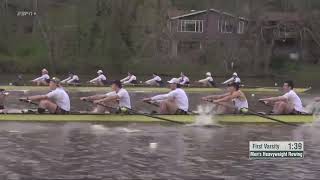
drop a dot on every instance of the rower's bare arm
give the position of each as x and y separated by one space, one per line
37 97
95 97
228 97
107 99
274 99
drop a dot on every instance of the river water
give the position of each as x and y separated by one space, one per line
123 151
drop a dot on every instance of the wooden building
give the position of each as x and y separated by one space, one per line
192 31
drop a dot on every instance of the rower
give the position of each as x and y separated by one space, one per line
208 81
3 95
234 79
233 102
72 79
130 79
184 80
56 102
289 103
43 79
175 102
117 99
155 81
100 80
317 99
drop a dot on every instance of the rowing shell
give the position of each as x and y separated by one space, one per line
144 119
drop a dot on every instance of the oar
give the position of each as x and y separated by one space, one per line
257 114
137 113
28 101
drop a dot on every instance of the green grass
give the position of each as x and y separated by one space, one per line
144 119
144 89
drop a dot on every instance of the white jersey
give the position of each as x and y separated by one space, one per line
294 100
101 77
129 79
60 97
233 80
178 95
157 78
124 98
44 77
184 80
71 79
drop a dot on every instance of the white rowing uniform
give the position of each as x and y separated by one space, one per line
72 79
178 95
184 80
100 78
154 80
129 79
124 98
294 99
233 80
44 77
240 103
60 98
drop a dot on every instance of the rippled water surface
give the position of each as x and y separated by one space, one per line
123 151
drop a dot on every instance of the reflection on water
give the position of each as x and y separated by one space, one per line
122 151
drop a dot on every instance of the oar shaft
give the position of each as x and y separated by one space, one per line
137 113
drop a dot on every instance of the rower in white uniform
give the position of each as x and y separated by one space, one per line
175 102
289 103
155 81
208 81
72 79
3 95
184 80
56 102
234 79
43 79
112 102
233 102
130 79
100 80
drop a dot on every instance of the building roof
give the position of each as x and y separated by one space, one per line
204 11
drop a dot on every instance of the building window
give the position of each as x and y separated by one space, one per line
225 26
190 26
241 27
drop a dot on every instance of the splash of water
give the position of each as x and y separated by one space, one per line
206 115
316 114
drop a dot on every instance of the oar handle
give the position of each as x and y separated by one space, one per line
27 101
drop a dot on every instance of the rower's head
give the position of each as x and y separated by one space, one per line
99 72
54 83
208 74
182 74
174 83
232 87
288 86
129 74
44 71
154 74
235 74
116 85
70 74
